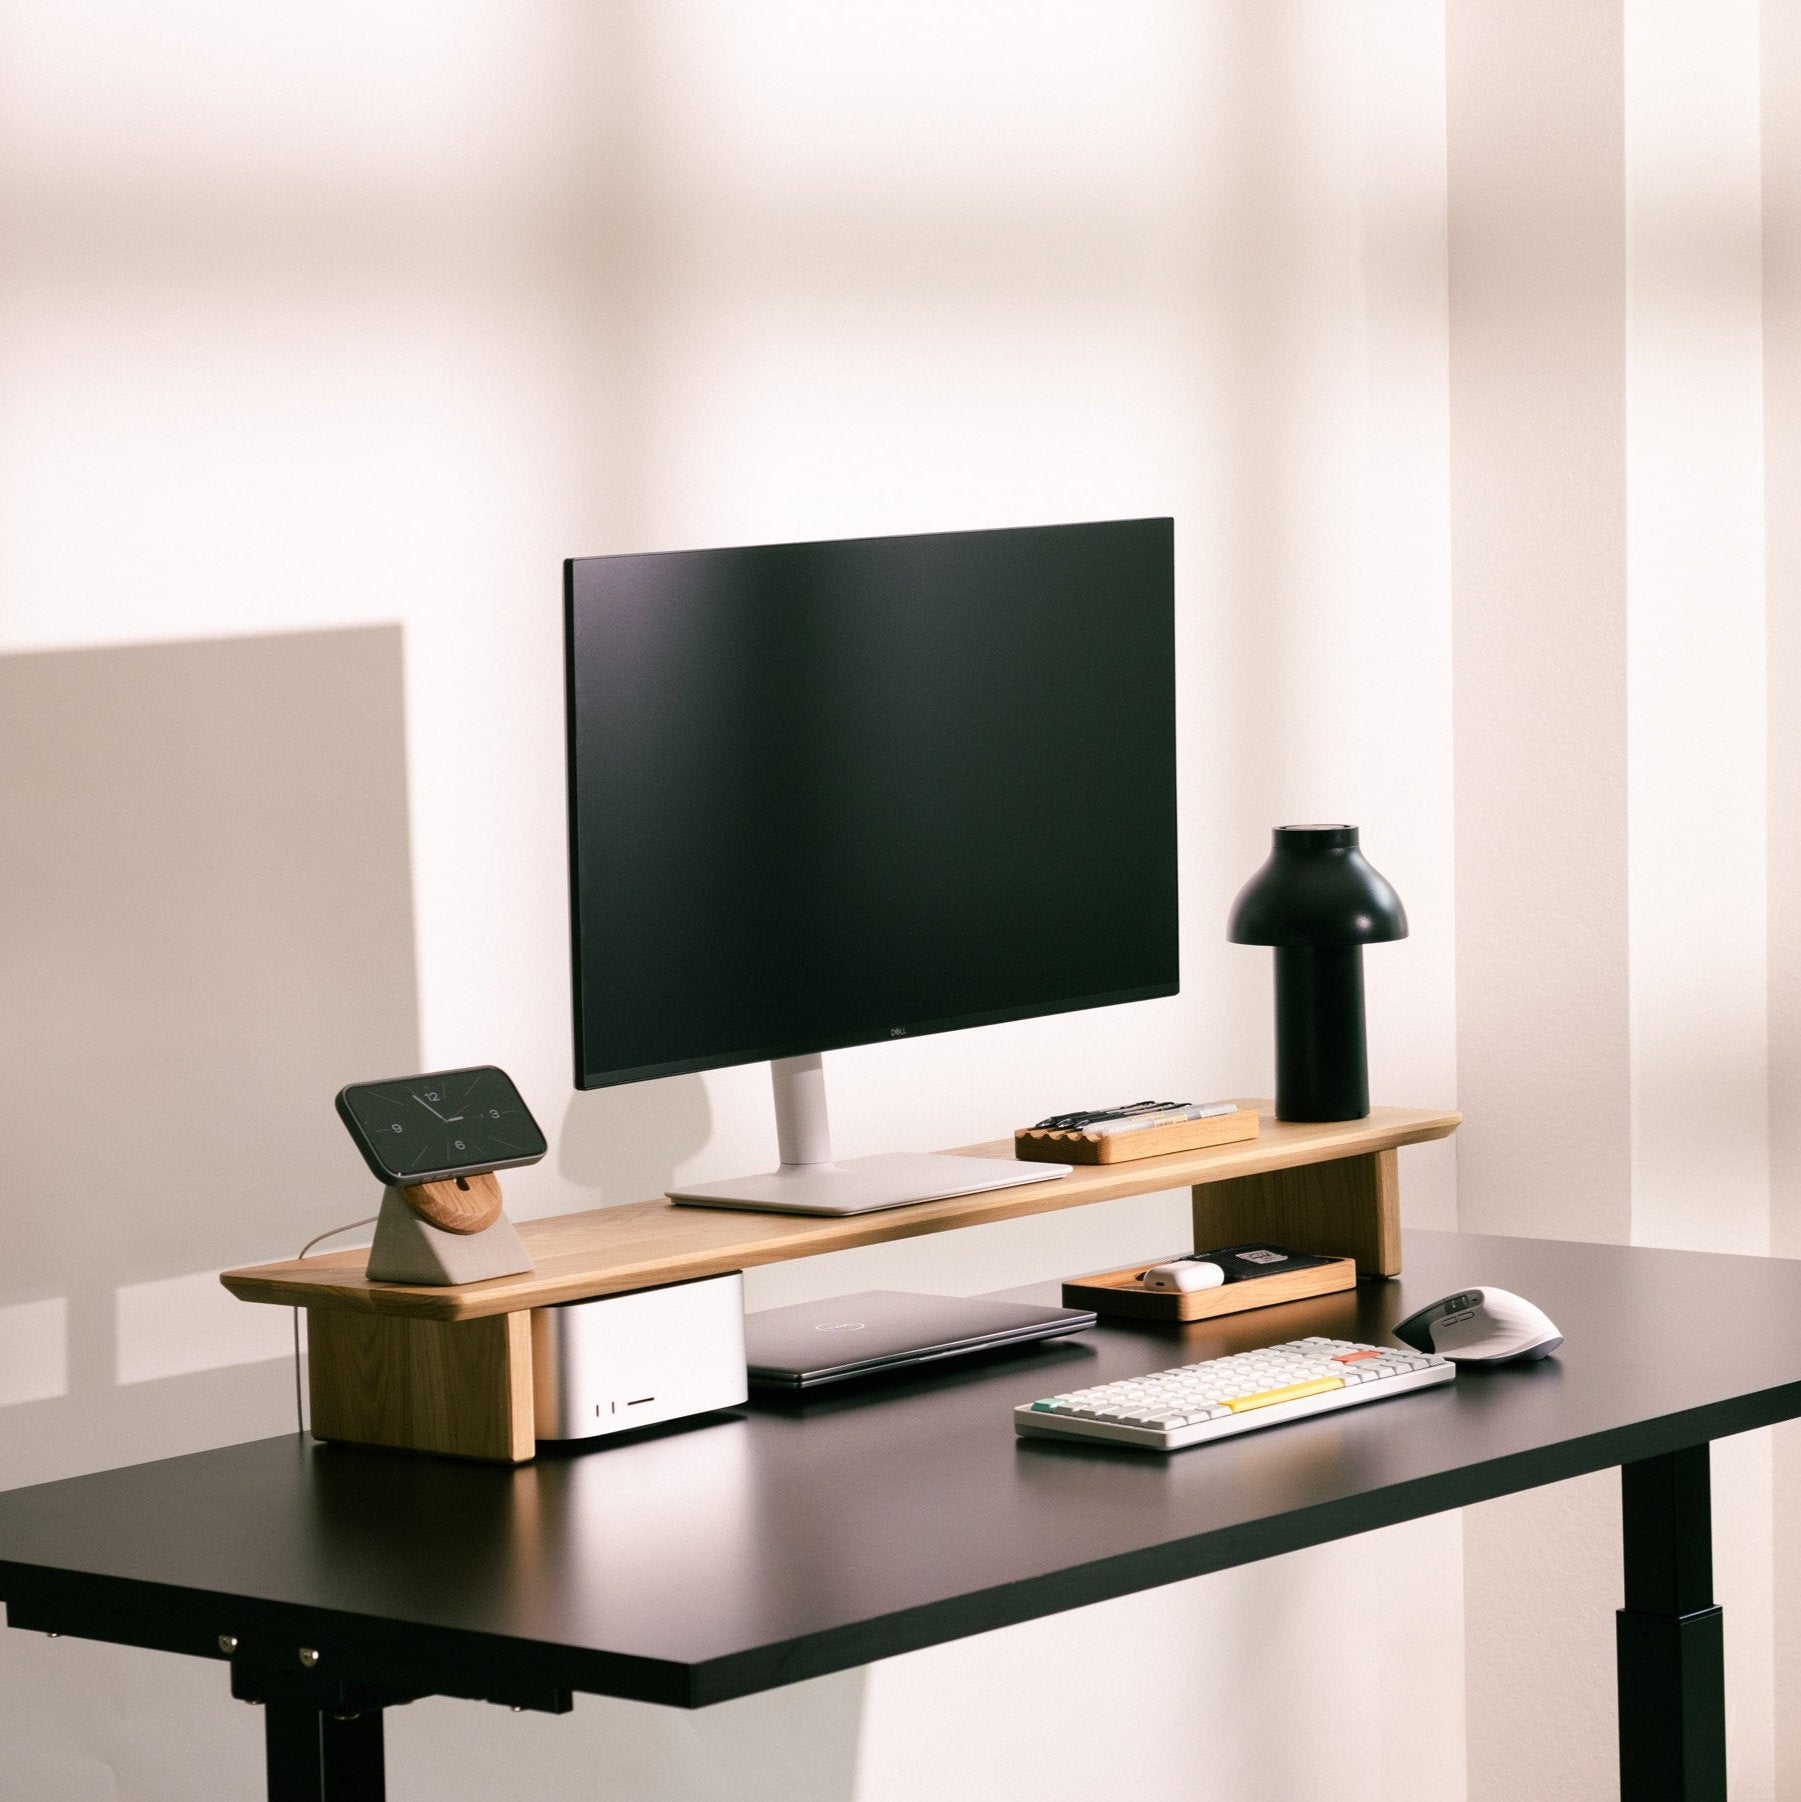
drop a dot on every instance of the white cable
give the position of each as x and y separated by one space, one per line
332 1233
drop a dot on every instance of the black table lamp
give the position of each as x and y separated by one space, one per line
1319 903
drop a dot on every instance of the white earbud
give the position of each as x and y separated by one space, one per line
1184 1274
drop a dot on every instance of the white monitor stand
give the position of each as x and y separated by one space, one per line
809 1182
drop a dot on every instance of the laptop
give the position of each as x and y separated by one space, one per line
820 1342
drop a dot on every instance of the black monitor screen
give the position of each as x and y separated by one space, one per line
825 794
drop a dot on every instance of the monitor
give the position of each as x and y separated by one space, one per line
829 794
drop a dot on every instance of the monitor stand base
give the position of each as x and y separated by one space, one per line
861 1185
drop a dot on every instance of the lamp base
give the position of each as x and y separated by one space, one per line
1322 1064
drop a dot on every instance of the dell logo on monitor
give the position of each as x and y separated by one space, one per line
897 1032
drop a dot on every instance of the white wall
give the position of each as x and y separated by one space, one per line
1536 240
324 318
1781 133
1460 340
1618 670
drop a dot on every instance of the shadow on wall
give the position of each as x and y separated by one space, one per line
628 1142
205 884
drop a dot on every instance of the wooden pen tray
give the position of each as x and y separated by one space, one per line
1120 1292
1148 1142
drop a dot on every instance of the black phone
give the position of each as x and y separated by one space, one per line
425 1129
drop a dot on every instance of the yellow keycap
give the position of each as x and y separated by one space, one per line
1265 1398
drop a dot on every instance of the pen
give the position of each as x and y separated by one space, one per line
1200 1110
1089 1116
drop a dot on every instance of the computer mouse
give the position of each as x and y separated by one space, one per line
1183 1275
1481 1326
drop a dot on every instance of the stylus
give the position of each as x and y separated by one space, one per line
1200 1110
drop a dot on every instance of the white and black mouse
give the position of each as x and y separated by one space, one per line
1481 1326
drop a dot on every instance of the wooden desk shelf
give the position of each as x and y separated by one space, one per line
392 1364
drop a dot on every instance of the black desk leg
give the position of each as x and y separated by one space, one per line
1669 1646
315 1756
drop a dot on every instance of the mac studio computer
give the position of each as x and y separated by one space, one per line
823 795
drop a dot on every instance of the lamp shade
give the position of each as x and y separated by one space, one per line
1317 889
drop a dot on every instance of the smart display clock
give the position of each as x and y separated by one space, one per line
449 1123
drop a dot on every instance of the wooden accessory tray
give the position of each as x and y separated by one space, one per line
1077 1147
1119 1292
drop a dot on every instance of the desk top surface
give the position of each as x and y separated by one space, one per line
786 1540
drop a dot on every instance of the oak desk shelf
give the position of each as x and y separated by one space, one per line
390 1366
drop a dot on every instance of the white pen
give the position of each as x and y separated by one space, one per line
1199 1110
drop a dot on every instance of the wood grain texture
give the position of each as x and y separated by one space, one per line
1350 1208
460 1388
1120 1293
606 1251
459 1204
1127 1148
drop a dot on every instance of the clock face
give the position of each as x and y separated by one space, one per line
448 1123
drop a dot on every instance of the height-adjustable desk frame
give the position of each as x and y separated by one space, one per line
449 1370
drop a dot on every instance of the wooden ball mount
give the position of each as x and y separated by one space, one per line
445 1233
459 1204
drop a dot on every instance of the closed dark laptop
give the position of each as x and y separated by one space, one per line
820 1342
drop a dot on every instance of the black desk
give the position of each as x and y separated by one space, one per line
759 1549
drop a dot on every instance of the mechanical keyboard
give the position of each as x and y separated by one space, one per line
1193 1403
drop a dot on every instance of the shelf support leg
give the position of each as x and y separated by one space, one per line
1343 1208
459 1387
317 1756
1669 1642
